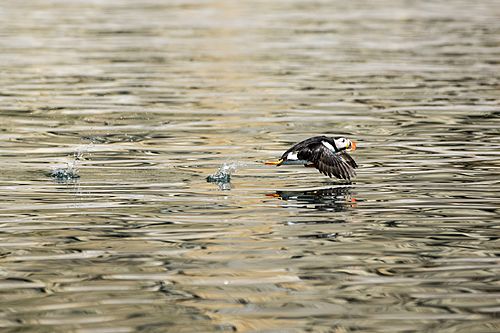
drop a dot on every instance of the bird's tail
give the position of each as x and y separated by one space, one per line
277 163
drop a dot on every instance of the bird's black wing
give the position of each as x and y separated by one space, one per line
349 160
329 163
306 148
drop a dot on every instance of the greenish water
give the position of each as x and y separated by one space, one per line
145 99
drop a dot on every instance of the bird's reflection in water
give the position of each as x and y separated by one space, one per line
337 199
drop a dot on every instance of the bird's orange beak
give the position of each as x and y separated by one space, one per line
353 146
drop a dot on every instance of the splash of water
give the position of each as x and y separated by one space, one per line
70 171
223 175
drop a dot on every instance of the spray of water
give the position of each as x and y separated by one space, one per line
223 176
70 171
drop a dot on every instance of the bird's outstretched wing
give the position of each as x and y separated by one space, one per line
329 163
349 160
305 148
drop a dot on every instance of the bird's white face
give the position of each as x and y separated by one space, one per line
344 143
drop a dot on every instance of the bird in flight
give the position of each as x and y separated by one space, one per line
327 154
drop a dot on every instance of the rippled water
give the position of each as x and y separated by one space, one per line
154 96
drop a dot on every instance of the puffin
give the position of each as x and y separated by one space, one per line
327 154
